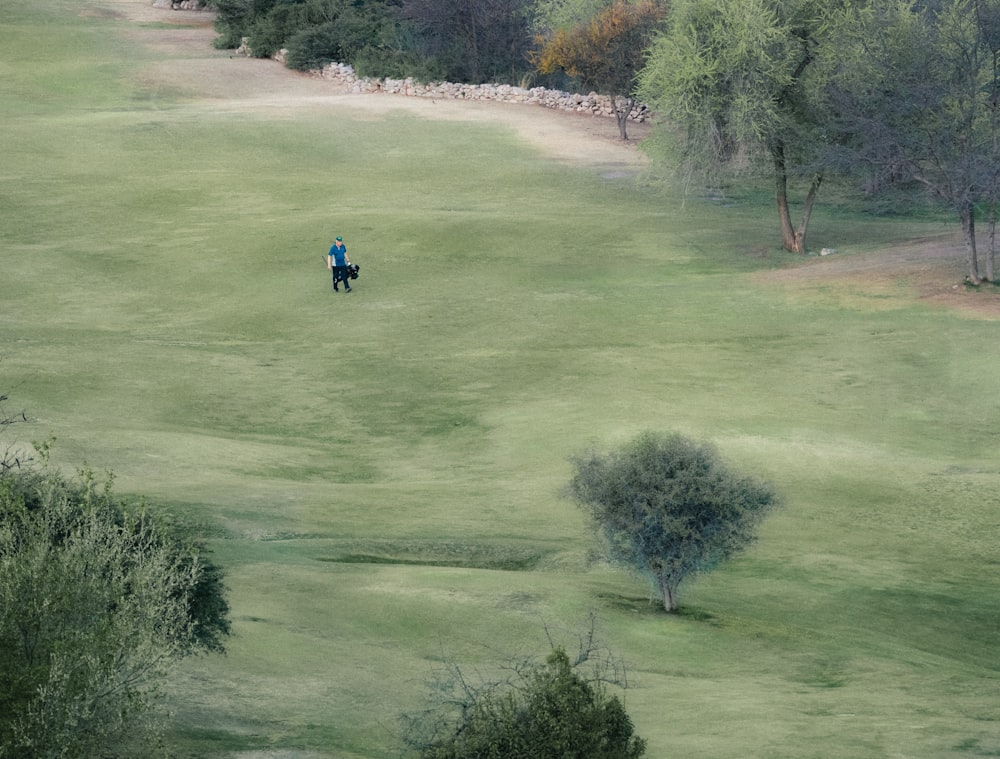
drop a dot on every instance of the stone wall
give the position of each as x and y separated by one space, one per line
343 74
594 104
182 5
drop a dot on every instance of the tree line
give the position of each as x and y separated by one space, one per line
472 41
892 96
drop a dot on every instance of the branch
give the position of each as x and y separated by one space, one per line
11 458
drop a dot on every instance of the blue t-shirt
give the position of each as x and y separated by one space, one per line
339 254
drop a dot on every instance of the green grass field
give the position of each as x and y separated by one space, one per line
380 473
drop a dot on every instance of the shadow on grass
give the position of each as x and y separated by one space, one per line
651 607
515 565
436 554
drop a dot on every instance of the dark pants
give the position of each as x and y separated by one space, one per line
340 275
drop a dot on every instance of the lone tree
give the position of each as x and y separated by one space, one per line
97 599
668 507
541 711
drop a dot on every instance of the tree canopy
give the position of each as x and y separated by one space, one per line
730 81
669 507
473 41
894 91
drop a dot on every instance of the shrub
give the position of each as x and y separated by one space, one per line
97 598
546 711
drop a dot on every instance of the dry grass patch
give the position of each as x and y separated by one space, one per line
929 270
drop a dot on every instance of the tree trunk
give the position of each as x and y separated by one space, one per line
668 594
800 235
622 106
789 239
792 239
968 216
991 256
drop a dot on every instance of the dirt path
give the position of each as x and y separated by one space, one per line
193 68
928 270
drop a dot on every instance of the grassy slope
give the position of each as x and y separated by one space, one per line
166 314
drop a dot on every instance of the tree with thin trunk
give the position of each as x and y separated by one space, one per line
605 53
729 81
668 507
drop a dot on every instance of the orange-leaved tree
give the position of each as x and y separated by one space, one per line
606 52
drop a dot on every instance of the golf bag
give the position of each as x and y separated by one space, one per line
352 273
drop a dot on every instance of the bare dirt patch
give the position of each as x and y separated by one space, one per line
930 270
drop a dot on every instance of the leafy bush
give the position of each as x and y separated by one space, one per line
314 47
545 711
97 598
429 40
268 33
232 22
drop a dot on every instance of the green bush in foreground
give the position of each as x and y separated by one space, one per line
668 507
543 712
96 601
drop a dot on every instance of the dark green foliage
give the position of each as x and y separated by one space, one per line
546 712
668 507
314 47
484 40
206 602
474 40
232 21
97 598
349 33
269 30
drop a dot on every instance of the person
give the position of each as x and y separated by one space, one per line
337 262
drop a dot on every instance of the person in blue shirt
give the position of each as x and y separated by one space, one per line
337 262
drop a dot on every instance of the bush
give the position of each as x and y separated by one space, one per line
268 34
545 711
97 598
232 22
314 47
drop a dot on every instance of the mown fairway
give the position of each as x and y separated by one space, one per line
380 472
